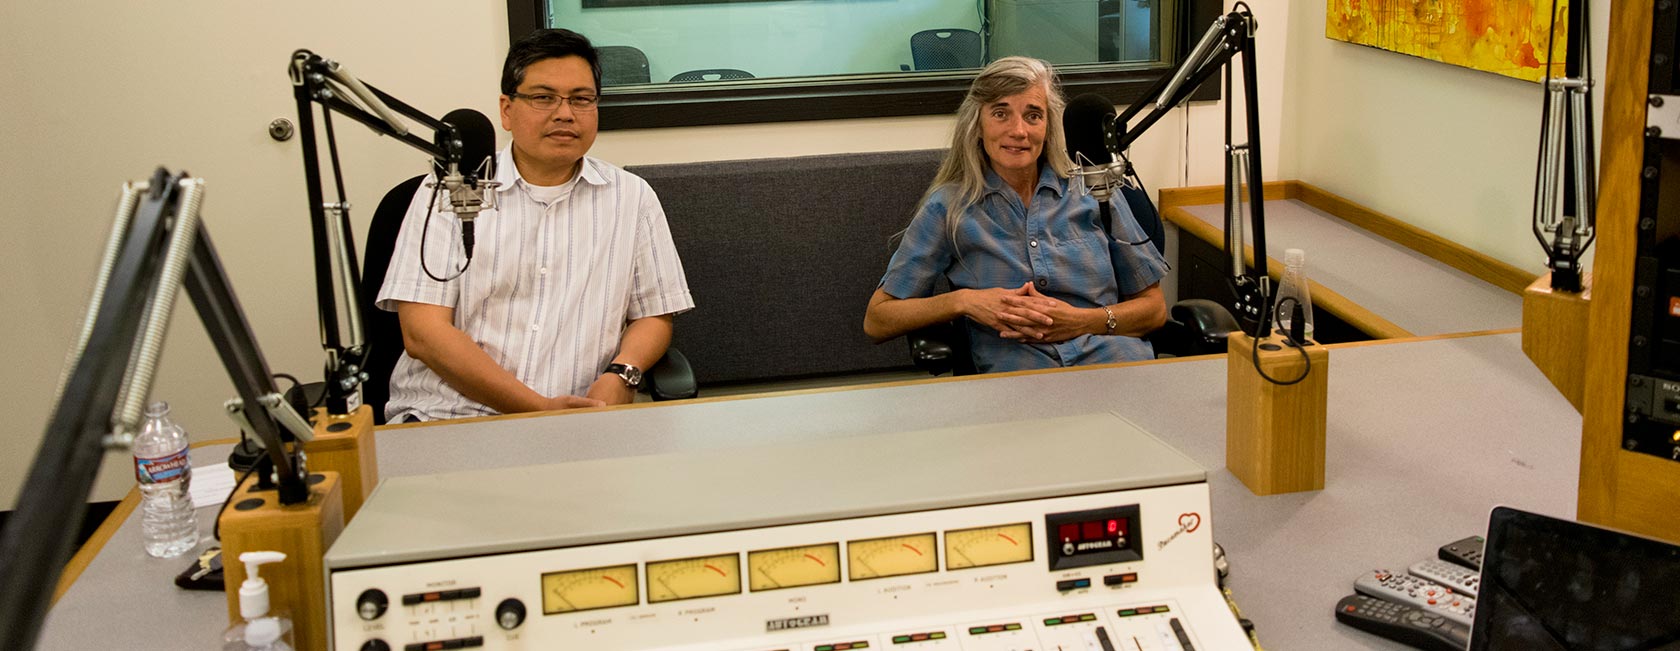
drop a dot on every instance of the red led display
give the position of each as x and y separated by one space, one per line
1093 529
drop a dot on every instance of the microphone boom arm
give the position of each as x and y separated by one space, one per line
157 246
1229 36
322 81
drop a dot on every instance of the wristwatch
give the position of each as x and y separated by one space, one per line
1111 320
631 375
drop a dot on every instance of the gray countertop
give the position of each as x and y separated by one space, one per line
1424 438
1410 289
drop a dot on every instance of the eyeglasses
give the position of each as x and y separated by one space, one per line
549 102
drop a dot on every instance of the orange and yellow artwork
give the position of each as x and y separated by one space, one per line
1507 37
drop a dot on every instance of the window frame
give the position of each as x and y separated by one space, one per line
892 95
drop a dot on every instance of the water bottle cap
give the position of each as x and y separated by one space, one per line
157 408
1294 256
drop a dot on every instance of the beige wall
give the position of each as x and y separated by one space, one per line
1449 149
98 93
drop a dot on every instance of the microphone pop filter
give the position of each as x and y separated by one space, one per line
1085 122
478 139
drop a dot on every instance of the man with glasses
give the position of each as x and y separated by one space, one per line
574 279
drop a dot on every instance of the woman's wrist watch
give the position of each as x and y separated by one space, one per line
631 375
1111 320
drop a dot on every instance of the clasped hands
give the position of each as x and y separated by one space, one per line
1025 314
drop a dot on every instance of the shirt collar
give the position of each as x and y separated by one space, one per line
1046 179
507 174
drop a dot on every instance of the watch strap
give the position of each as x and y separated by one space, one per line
631 375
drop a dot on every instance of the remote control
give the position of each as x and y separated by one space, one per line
1431 597
1462 580
1408 625
1467 552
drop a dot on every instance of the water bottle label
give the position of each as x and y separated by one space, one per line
162 469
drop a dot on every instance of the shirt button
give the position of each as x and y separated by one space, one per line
1033 244
1042 282
535 327
542 271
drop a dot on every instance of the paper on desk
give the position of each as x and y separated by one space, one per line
211 484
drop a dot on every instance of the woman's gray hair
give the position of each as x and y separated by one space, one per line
964 167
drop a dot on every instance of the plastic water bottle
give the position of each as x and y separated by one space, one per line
1294 286
163 468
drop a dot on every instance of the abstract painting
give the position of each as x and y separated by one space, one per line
1507 37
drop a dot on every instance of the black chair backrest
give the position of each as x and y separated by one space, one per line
623 65
946 49
712 74
380 329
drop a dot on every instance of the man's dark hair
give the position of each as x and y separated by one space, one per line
546 44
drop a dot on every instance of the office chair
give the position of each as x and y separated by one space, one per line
670 379
712 74
946 49
622 65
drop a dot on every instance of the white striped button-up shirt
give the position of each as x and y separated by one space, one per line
551 287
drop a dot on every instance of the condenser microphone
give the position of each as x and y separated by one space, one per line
469 171
1092 140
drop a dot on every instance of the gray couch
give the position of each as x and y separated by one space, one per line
782 256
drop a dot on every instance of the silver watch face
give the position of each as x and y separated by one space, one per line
632 376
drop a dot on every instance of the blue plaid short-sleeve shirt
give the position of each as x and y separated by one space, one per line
1058 245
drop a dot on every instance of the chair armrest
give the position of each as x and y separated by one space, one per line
1206 323
671 378
931 348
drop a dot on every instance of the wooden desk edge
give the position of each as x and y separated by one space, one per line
1440 249
1452 254
1353 313
107 528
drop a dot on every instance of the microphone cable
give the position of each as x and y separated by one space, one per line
1299 346
426 226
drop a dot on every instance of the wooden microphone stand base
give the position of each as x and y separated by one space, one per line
1274 434
255 521
345 445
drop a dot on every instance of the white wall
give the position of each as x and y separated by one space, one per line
99 93
1449 149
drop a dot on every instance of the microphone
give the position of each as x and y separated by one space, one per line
1092 134
469 171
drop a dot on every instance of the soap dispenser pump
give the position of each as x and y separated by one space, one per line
259 631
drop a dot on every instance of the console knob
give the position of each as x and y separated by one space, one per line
371 604
375 644
510 614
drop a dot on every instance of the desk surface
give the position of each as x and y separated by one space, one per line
1413 291
1424 438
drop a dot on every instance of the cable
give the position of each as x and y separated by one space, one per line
216 529
425 227
1254 352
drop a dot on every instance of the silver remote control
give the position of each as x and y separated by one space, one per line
1430 596
1461 579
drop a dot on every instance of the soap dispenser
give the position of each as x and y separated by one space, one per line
260 631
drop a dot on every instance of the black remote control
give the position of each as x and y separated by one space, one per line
1467 552
1408 625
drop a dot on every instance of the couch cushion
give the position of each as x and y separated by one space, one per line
782 256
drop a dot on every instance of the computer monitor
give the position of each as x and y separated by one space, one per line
1555 584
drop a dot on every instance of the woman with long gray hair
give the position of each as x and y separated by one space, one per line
1023 250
